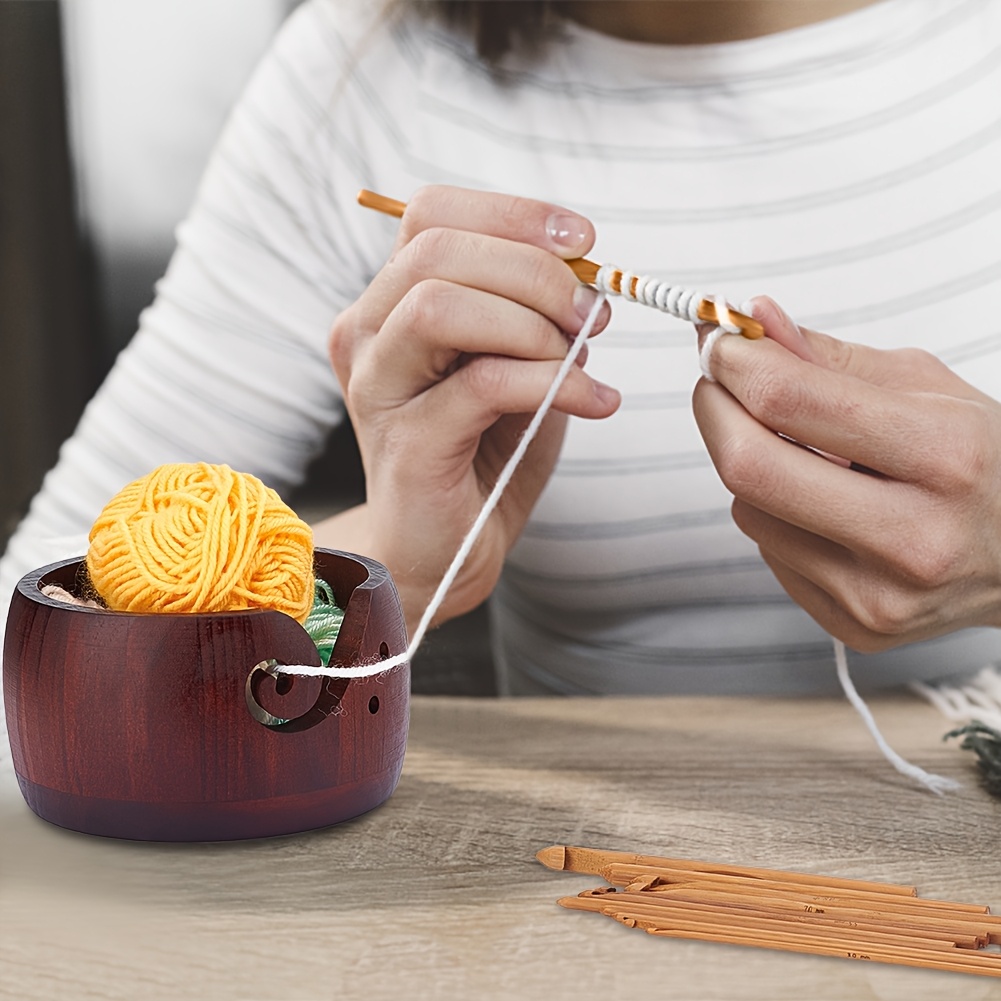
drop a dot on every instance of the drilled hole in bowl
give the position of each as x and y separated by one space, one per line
373 704
284 683
384 651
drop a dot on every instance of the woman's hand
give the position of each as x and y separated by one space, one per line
442 361
907 550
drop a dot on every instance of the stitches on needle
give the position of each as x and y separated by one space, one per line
680 302
673 299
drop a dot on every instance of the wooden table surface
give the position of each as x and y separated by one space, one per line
437 894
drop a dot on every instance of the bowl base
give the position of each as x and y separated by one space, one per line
220 821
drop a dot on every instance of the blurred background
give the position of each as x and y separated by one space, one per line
108 112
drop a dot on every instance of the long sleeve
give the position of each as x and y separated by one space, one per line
229 363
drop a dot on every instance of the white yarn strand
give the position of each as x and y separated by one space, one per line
368 670
977 699
936 783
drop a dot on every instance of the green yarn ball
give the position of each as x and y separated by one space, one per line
324 620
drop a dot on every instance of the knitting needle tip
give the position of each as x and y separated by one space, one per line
714 311
553 857
390 206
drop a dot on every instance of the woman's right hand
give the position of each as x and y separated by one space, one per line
442 361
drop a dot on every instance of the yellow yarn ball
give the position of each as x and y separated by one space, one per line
196 537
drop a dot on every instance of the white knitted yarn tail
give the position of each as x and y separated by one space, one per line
979 698
367 670
936 783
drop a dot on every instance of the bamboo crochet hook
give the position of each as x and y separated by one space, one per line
788 911
709 310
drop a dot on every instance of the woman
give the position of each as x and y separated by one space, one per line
840 155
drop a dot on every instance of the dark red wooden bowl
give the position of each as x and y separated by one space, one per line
165 728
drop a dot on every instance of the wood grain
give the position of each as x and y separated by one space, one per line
437 893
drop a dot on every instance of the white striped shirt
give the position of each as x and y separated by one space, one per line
850 169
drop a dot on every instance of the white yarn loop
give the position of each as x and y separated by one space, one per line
936 783
379 667
680 302
706 351
726 326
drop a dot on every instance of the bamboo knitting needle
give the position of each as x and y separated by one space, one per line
758 925
662 879
983 925
591 860
794 912
957 961
954 962
709 310
888 902
659 878
749 894
778 913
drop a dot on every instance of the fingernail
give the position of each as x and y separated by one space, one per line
567 231
584 298
788 333
796 343
606 394
581 360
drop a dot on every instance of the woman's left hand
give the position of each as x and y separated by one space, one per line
906 550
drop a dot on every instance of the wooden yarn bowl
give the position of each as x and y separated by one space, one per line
164 728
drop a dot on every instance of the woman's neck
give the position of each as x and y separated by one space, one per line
696 22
